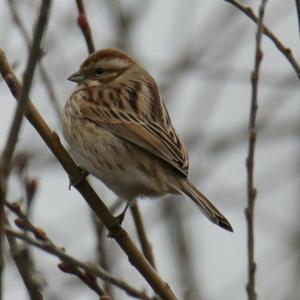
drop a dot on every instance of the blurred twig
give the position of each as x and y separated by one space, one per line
298 13
182 249
103 256
251 191
90 269
25 268
287 52
124 21
85 26
88 279
5 160
21 254
44 74
34 56
70 264
115 230
140 228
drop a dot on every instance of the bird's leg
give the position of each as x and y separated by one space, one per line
76 180
121 216
118 220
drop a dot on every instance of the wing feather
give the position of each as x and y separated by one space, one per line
152 137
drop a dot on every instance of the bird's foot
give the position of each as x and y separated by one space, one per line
118 221
121 216
74 181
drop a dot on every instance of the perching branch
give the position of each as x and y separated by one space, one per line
287 52
251 191
115 230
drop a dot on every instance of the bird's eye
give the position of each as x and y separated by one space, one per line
99 71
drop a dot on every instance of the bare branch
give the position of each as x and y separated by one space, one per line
115 230
179 237
140 228
68 265
287 52
103 256
48 246
87 278
298 13
85 26
24 266
44 74
21 254
34 56
251 191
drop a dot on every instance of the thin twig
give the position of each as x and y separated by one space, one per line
141 232
298 13
251 191
88 279
287 52
44 74
123 22
69 264
102 255
22 255
5 160
179 237
34 56
84 26
24 266
96 271
96 204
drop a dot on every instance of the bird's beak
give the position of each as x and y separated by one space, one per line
77 77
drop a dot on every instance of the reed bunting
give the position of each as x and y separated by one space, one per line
119 130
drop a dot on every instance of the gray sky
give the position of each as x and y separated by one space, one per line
209 104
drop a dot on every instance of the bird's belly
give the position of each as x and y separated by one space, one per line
123 167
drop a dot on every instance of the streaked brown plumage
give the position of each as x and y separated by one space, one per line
119 130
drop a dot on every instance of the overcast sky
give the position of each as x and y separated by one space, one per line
209 104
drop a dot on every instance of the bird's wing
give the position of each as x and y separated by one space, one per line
159 140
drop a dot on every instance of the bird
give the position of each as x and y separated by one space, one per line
119 130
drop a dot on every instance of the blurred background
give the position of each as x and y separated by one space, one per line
201 54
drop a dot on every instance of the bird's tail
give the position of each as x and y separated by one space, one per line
205 205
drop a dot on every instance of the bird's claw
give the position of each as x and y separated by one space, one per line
118 220
121 216
74 181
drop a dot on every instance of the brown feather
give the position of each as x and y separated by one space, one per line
117 124
143 134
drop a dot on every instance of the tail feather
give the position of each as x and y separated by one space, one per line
205 205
